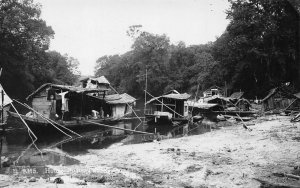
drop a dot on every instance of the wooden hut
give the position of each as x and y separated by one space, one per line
120 105
65 102
277 99
170 107
93 83
295 105
212 91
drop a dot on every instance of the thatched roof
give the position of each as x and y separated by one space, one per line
64 88
285 92
236 95
119 99
100 80
297 95
183 96
205 106
270 94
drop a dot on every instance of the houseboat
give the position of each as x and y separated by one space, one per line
278 99
72 106
120 105
170 108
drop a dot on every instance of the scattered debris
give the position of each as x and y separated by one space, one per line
32 179
296 118
266 184
58 180
193 168
286 175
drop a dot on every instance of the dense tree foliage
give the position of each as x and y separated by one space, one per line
259 50
24 39
168 66
260 47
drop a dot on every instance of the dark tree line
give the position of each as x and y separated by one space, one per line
259 50
24 41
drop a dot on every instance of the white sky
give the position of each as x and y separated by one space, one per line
89 29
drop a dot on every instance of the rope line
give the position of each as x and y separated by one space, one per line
130 108
29 131
117 127
167 106
50 121
25 105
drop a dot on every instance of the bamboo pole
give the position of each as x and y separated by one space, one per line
129 107
29 131
145 105
117 127
2 111
167 106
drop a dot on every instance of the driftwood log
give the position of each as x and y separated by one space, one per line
287 175
244 125
266 184
296 118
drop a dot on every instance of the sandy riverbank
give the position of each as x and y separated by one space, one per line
229 157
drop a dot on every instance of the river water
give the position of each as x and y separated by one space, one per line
17 149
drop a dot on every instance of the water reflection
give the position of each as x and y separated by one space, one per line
57 148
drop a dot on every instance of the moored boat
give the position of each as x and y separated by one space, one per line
168 108
71 106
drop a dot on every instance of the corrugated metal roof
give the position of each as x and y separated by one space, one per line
119 99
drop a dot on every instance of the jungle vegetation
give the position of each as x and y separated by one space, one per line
258 50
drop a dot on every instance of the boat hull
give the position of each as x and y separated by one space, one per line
154 119
41 124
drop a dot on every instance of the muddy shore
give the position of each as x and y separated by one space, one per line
229 157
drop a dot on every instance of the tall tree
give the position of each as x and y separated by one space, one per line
24 38
61 68
127 72
259 49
